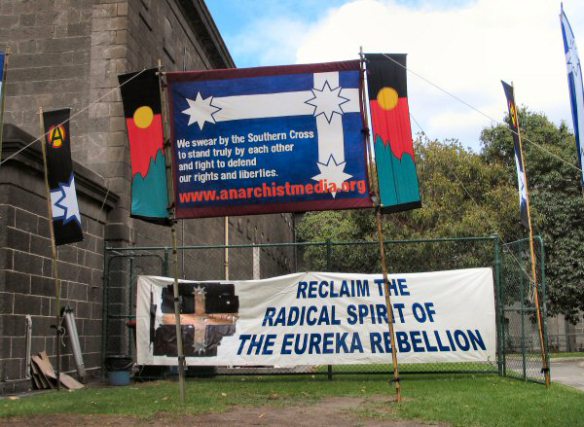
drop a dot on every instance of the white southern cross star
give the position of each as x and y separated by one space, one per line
572 56
332 172
64 201
327 101
200 110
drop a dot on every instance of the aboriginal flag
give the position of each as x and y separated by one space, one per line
61 179
514 127
392 134
142 111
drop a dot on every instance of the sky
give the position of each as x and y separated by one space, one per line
462 47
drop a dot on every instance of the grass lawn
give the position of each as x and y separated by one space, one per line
481 400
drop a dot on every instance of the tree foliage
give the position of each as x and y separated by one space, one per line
475 194
557 202
462 196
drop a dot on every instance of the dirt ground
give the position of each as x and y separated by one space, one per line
337 412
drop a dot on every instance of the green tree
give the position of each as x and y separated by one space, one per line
462 196
470 194
557 202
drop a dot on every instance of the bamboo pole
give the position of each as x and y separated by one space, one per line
544 361
53 251
170 183
384 269
394 362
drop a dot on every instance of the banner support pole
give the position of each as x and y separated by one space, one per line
384 269
167 145
545 368
53 251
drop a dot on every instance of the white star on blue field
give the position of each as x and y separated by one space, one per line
64 201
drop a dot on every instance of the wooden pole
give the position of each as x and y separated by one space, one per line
179 341
170 183
394 362
53 252
384 269
544 361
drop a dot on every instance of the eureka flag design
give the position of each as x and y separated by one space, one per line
65 209
268 139
514 126
575 85
392 134
142 111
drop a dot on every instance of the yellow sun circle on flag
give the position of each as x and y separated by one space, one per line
143 116
387 98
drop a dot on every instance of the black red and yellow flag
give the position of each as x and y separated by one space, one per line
61 179
392 133
142 111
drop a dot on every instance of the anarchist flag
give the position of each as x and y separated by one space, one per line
61 179
392 133
142 111
514 126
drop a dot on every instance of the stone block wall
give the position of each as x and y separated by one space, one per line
69 53
27 285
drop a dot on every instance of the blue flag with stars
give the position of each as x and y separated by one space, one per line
575 86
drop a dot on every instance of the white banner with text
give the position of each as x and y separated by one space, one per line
319 319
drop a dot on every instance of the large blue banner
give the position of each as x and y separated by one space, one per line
270 139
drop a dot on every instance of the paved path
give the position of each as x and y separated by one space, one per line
569 372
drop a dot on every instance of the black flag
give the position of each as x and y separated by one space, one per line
514 127
66 216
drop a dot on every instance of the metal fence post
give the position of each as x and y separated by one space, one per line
500 307
165 263
543 298
131 278
329 254
523 313
104 304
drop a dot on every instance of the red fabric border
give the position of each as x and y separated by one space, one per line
258 209
232 73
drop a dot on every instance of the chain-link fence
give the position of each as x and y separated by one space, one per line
517 346
519 335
